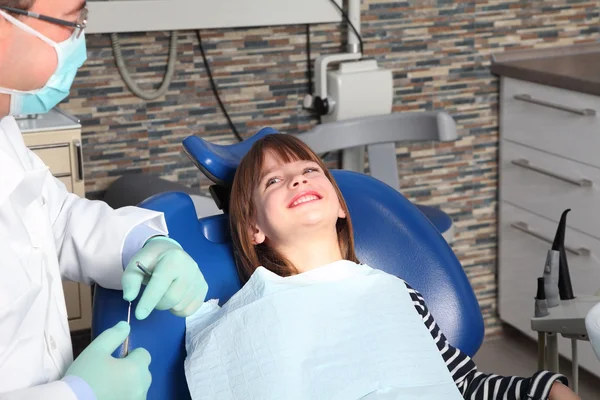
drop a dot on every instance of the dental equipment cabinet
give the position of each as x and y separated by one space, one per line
56 138
549 142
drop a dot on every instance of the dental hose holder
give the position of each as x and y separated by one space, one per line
541 305
565 287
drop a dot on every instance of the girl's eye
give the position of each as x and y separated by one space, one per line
311 169
271 181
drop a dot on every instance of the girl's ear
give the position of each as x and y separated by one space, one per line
258 237
341 212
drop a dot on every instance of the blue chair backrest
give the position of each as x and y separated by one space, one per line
390 234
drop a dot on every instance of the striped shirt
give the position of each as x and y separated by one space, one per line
479 386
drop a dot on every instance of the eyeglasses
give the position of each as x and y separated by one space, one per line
79 25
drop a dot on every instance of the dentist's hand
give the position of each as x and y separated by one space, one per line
113 378
176 283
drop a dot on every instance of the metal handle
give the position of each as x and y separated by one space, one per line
79 150
524 227
524 163
49 146
578 111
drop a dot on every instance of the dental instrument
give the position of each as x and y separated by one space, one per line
565 287
143 269
126 343
541 310
541 306
551 268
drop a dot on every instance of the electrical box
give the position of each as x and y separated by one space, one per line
359 89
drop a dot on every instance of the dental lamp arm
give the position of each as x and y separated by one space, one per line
398 127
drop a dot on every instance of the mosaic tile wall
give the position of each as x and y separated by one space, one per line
439 51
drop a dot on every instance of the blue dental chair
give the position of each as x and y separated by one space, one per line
390 233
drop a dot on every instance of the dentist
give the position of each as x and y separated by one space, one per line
48 234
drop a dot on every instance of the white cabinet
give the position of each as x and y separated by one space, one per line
549 146
536 116
56 139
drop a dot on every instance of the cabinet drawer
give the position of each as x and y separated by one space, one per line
521 260
547 185
56 157
544 127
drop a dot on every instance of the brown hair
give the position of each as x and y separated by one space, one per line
248 256
20 4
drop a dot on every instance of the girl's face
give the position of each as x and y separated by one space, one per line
291 200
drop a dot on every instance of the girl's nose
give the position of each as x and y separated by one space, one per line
299 180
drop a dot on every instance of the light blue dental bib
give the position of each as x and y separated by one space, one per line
343 331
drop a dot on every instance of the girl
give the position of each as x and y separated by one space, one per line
288 216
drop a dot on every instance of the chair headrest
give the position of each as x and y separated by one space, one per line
219 162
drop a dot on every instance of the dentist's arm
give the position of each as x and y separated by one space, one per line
96 374
92 239
52 390
95 243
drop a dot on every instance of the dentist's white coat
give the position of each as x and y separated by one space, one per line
592 326
48 234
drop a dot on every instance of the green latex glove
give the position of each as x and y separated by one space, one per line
113 378
176 283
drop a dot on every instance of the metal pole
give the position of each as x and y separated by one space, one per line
354 17
354 159
552 351
575 365
541 351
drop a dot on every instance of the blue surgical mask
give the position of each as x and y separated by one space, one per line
71 55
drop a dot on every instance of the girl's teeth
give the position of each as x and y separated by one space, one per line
305 199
